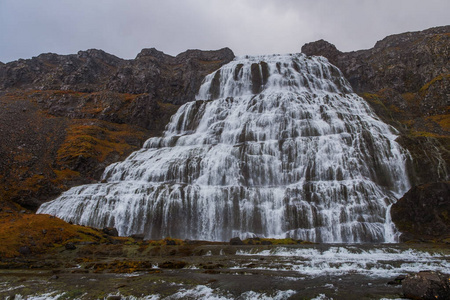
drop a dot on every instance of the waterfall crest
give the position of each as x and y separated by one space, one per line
275 146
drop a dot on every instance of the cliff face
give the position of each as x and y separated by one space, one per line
169 79
423 212
64 118
406 79
404 62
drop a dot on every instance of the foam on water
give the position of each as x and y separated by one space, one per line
199 292
376 262
45 296
276 146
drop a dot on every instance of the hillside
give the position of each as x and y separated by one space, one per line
64 118
406 79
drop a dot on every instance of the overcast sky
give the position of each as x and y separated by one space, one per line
124 27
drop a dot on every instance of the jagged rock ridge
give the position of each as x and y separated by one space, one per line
64 118
170 79
406 79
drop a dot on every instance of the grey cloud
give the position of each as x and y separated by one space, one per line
124 27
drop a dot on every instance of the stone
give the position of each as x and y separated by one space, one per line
176 79
427 285
70 246
139 237
24 250
236 241
172 265
111 231
404 61
397 281
170 242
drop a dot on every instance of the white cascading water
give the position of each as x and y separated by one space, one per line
276 146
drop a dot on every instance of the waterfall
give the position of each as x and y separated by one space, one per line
274 146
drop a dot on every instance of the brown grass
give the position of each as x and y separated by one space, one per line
40 233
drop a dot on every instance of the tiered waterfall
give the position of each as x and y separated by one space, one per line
275 146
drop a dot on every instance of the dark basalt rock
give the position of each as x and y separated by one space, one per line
111 231
423 212
70 246
322 48
404 61
256 78
215 86
138 237
236 241
427 285
397 280
406 79
25 250
171 79
173 265
64 118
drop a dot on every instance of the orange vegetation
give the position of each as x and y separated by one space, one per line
40 233
97 141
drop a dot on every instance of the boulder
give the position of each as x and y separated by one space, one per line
138 237
236 241
25 250
427 285
111 231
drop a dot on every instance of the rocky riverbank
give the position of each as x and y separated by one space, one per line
42 255
174 269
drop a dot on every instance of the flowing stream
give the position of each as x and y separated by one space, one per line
275 146
312 271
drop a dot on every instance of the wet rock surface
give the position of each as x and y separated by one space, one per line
404 62
406 79
427 285
64 118
208 270
422 213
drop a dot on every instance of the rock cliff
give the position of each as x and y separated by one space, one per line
406 79
423 212
64 118
169 79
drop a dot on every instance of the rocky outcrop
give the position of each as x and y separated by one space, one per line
404 62
406 79
423 213
169 79
52 140
426 285
64 118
